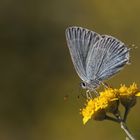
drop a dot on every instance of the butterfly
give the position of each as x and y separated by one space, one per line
95 57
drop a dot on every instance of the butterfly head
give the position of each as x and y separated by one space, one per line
91 85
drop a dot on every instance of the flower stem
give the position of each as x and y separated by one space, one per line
111 119
126 130
124 127
126 114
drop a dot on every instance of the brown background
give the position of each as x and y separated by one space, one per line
36 71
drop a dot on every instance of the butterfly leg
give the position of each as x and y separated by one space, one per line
96 93
104 84
88 94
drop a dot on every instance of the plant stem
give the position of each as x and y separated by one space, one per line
126 114
126 130
124 127
111 119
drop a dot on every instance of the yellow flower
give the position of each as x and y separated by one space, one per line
88 111
108 101
129 91
128 95
98 106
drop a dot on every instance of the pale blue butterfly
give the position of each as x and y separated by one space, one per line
95 57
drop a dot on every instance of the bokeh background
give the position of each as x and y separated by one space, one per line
38 84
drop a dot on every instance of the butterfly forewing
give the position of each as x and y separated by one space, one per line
80 41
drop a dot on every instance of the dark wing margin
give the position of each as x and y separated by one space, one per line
80 41
113 56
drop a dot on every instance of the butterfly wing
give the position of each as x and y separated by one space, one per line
80 41
107 57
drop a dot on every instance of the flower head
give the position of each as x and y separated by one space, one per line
98 106
108 101
88 111
128 95
132 90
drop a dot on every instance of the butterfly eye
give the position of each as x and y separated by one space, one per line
83 85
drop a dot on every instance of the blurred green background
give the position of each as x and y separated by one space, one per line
36 71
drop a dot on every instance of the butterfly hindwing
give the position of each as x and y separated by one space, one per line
108 56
